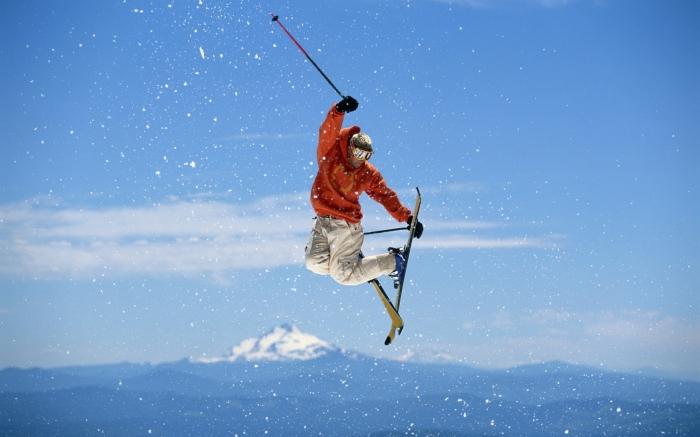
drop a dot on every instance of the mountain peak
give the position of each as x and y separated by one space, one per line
285 342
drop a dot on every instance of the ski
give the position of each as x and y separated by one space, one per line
407 253
396 320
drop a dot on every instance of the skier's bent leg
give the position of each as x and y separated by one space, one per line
356 270
345 266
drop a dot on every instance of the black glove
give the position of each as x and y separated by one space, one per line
419 227
348 104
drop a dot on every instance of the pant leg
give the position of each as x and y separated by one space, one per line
317 251
346 267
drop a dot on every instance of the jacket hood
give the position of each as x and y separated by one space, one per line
344 138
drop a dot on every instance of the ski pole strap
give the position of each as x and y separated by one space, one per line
276 19
405 228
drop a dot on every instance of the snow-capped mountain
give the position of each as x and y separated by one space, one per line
283 343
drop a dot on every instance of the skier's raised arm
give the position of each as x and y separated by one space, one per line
328 132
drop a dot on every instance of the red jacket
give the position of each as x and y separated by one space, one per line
337 187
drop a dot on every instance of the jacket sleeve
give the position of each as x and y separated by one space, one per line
328 132
380 192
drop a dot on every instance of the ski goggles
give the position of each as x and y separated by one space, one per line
361 154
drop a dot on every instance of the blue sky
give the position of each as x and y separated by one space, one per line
157 158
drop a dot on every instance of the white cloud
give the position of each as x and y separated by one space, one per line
205 235
620 340
464 225
187 237
461 242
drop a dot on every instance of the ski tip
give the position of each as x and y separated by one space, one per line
400 329
387 342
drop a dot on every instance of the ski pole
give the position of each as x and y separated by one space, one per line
276 19
405 228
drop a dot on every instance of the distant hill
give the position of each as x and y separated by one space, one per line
291 383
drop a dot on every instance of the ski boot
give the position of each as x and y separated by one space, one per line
397 274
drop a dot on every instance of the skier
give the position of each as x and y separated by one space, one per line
343 174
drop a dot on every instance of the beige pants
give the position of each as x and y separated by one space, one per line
334 249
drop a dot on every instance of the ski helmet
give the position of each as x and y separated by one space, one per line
361 146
